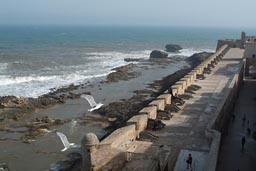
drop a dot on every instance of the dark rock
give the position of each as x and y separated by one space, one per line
198 58
158 54
62 166
122 73
173 48
74 156
132 59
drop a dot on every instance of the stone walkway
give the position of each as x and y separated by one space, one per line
186 130
231 156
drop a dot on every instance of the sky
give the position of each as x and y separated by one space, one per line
201 13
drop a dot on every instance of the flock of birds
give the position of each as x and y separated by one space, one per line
63 137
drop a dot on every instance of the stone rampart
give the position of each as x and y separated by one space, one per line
222 115
115 150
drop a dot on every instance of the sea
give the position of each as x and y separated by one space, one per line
36 59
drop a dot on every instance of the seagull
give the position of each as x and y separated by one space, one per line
91 101
65 142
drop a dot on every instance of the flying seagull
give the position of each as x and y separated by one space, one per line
65 142
92 102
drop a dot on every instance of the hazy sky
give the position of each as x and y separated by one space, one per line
223 13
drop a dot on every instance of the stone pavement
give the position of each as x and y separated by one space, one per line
231 156
186 130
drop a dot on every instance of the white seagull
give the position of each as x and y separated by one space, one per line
91 101
65 142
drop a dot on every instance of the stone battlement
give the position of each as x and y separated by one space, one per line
122 148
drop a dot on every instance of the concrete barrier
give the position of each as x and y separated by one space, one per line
151 111
160 104
166 97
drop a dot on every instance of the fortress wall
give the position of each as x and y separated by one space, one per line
232 43
111 153
140 121
151 111
166 97
120 137
160 104
250 55
221 119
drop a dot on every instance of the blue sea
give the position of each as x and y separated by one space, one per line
35 59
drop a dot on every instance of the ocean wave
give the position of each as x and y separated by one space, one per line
7 80
119 55
34 86
3 66
190 52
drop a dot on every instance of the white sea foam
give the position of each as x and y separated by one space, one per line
33 86
3 66
189 52
120 55
98 64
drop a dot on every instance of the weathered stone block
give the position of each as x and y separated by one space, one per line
190 79
159 103
183 84
120 136
177 88
151 111
167 98
187 80
140 121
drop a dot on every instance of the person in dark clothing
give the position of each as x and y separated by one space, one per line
233 117
244 119
243 142
189 161
170 91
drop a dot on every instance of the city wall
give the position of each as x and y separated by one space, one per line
222 116
113 152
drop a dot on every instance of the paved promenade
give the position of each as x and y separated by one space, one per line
232 157
185 132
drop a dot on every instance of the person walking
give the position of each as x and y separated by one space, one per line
189 161
244 119
243 142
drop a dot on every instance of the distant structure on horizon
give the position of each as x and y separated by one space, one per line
248 43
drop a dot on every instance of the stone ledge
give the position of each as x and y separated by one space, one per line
120 137
159 103
151 111
167 98
140 121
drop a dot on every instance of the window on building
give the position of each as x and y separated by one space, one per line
255 40
253 56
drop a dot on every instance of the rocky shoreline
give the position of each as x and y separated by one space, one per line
116 113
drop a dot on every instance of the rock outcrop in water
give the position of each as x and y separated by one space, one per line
122 73
158 54
173 48
197 58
